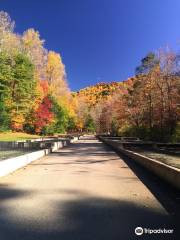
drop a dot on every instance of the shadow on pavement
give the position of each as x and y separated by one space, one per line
166 195
83 217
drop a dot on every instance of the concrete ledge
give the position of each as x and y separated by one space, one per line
74 139
168 173
35 144
10 165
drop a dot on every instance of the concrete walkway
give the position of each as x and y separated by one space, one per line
83 192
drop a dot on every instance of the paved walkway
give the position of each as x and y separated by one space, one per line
83 192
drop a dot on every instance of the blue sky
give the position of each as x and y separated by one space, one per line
99 40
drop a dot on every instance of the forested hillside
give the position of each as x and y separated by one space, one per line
101 91
35 97
146 105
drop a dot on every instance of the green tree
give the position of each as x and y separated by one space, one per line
6 75
71 124
4 117
5 78
22 88
147 63
89 124
17 86
60 122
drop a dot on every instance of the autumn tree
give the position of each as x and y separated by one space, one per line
169 88
43 115
9 41
56 76
33 46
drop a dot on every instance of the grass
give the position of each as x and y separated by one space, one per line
11 153
15 136
165 158
172 160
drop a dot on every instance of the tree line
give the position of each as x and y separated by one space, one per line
35 97
34 94
146 105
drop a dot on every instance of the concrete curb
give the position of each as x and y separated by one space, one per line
12 164
168 173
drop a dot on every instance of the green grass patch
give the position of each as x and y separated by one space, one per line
11 153
15 136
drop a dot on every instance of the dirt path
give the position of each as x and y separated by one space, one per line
83 192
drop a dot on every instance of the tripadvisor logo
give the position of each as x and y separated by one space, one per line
139 231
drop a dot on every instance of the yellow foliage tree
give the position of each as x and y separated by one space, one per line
56 77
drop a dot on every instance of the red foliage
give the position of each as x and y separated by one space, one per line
43 114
